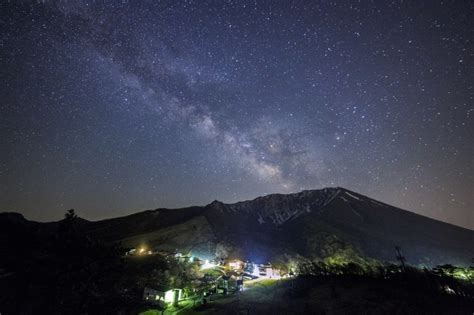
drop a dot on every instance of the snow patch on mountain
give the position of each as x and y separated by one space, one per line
351 195
277 209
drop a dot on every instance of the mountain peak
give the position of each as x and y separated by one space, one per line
216 204
276 209
270 226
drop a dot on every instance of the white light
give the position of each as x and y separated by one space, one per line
255 272
169 296
207 264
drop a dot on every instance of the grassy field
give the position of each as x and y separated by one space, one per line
334 295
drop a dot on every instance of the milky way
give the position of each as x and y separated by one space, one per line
111 107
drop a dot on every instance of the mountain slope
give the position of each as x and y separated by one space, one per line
311 223
305 222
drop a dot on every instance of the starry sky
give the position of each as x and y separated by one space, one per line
112 107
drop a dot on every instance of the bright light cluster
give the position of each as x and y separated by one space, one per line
208 265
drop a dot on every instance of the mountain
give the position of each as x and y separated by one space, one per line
311 224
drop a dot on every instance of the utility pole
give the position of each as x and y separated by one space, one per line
400 258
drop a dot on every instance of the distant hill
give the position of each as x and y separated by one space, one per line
311 223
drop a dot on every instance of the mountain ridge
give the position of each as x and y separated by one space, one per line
275 225
216 201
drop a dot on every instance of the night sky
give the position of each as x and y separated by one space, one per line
112 107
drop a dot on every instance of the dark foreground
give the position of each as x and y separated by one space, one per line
67 272
342 295
403 293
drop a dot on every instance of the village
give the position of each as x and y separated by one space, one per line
217 279
221 284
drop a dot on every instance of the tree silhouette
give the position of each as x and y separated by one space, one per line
400 258
67 226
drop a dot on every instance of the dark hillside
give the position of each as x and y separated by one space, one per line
312 223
